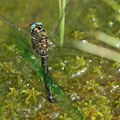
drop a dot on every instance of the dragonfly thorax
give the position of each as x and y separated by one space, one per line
41 42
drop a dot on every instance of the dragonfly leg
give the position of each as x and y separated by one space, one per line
37 51
33 44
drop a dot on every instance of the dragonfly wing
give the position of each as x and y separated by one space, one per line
68 49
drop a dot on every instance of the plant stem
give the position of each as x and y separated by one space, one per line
110 40
62 4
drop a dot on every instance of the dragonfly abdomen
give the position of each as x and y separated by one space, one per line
44 63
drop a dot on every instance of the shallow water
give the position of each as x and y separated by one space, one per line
90 84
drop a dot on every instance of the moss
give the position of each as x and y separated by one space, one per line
97 70
90 86
78 34
117 102
96 108
31 96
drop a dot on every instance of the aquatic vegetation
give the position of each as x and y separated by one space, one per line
91 86
94 105
87 83
92 18
78 34
62 5
96 108
97 50
15 107
110 40
97 70
11 108
117 102
31 96
7 67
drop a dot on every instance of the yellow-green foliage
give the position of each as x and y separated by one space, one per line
16 102
90 86
31 96
117 102
78 34
97 70
96 108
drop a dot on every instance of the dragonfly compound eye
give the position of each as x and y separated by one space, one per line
39 27
34 25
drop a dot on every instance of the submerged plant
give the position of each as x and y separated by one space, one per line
117 102
96 108
97 70
81 80
31 96
11 108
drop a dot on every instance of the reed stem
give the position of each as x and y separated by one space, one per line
62 4
108 39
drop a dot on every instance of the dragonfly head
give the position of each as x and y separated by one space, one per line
35 26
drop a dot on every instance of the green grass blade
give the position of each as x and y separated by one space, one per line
97 50
110 40
26 52
113 4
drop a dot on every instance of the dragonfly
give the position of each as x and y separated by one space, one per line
41 44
